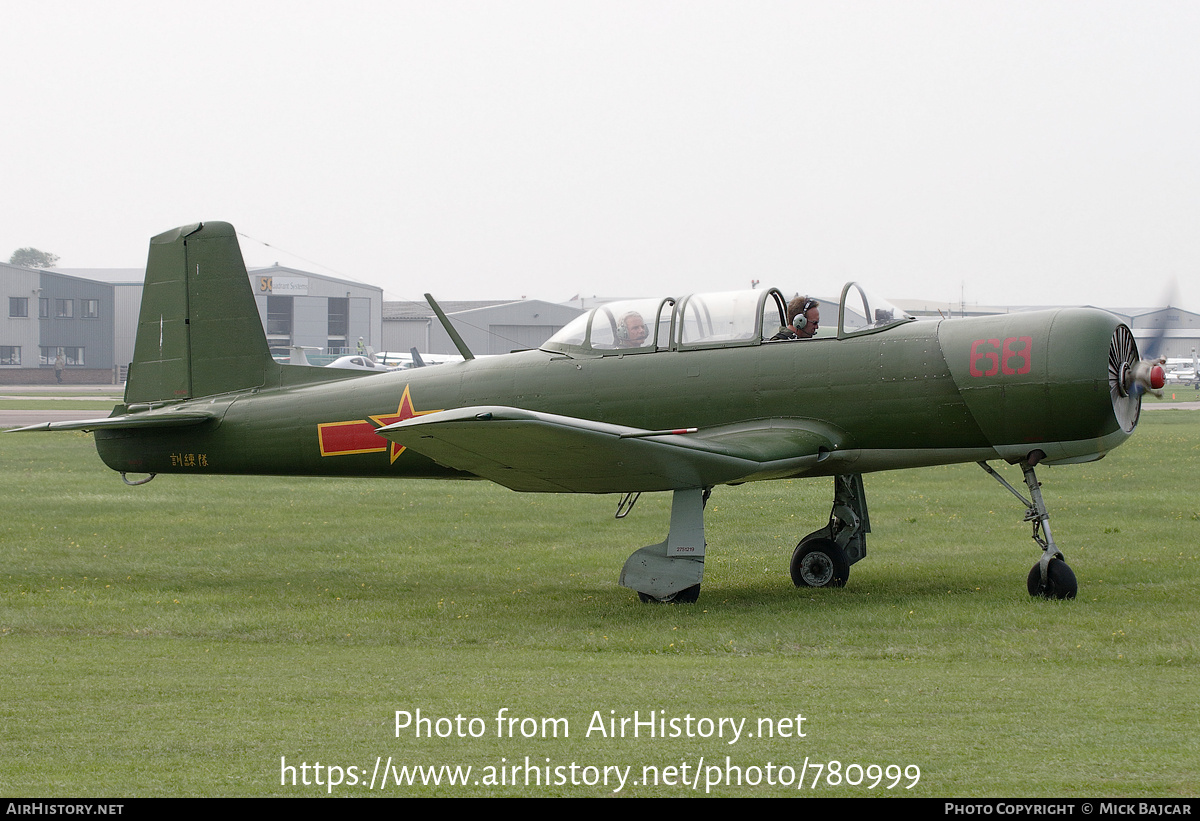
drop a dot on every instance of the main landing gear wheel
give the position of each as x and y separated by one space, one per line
819 563
689 595
1060 581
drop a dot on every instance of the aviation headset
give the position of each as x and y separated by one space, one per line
801 320
623 326
622 329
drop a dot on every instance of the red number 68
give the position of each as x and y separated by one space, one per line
990 357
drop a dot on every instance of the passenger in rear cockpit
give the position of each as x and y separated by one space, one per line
631 331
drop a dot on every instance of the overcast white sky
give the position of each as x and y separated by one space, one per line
1014 152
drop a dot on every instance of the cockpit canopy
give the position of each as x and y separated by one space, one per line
718 320
860 310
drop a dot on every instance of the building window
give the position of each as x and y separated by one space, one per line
339 325
279 316
339 316
72 355
10 354
64 308
18 306
279 325
90 308
44 307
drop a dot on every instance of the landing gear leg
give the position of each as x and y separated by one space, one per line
823 557
1051 577
671 571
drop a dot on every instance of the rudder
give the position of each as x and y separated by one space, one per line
199 332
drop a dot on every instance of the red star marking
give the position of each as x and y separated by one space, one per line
403 411
344 438
358 435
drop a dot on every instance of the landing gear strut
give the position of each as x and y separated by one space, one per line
1051 577
671 571
823 557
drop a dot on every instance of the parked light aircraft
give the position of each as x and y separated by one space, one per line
1184 371
415 359
358 363
705 399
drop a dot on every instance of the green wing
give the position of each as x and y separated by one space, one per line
527 450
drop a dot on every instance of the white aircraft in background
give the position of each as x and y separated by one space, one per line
1183 371
415 359
358 362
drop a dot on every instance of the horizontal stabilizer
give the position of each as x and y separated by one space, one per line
139 420
532 451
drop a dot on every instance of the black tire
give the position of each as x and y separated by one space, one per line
1060 581
689 595
819 563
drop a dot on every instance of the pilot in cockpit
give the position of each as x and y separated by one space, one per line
631 331
803 320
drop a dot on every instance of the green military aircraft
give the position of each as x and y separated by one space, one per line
706 398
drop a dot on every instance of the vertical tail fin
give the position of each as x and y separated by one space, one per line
199 331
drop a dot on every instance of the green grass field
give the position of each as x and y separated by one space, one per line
201 635
99 406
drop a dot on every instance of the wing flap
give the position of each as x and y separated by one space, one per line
532 451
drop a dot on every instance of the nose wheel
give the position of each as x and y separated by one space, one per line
1055 581
1051 577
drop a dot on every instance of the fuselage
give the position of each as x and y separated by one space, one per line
913 394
